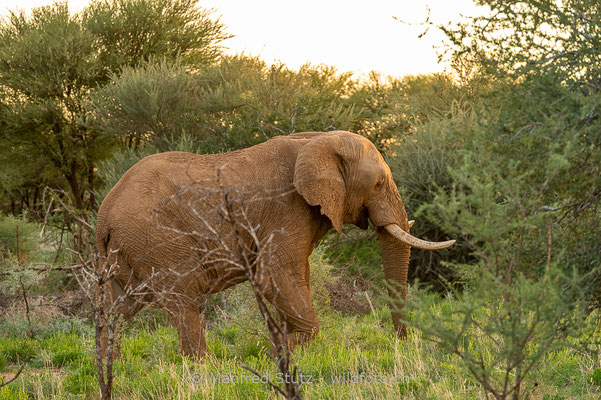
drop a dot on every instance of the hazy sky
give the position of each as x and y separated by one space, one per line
353 35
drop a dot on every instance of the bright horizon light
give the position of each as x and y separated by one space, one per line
350 35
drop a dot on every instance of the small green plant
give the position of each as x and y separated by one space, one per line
17 350
12 393
596 376
81 380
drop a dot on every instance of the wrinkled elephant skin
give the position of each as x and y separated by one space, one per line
165 219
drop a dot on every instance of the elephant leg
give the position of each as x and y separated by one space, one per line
190 329
292 300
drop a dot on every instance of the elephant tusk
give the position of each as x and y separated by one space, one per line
411 223
412 241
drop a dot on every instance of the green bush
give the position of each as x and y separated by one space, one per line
355 252
17 350
42 327
502 200
12 392
64 349
421 166
18 237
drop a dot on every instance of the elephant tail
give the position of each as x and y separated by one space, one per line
102 240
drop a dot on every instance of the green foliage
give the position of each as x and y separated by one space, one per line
393 108
266 101
81 378
129 32
518 285
534 37
421 165
152 102
502 332
17 237
321 275
10 392
63 349
44 327
236 103
45 89
347 347
16 351
596 376
41 86
355 252
522 193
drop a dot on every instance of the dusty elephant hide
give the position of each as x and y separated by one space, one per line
181 226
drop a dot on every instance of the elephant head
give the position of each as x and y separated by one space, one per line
347 177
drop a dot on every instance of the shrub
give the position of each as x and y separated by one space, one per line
16 350
81 378
17 237
522 299
421 166
355 252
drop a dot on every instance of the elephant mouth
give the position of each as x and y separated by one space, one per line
362 220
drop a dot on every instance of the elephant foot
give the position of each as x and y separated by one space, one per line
190 330
295 339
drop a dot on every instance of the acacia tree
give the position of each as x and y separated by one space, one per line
51 60
522 37
239 102
524 194
543 57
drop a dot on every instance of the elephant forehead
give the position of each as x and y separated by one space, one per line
372 165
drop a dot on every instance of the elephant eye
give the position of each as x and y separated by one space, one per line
379 184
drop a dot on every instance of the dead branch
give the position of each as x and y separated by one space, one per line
253 261
27 310
2 384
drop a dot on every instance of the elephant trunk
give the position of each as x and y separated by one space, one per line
395 256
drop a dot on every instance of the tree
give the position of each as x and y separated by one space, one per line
525 193
519 38
52 60
128 32
391 109
236 103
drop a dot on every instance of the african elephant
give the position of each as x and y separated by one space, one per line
164 215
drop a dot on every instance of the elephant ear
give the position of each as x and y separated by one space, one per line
318 177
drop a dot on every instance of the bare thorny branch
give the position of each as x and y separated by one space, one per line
227 240
14 378
255 261
243 249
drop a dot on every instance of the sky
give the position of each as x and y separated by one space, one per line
352 35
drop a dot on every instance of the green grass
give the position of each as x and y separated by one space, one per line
357 348
342 362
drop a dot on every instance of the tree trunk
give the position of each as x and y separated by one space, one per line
74 185
91 187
